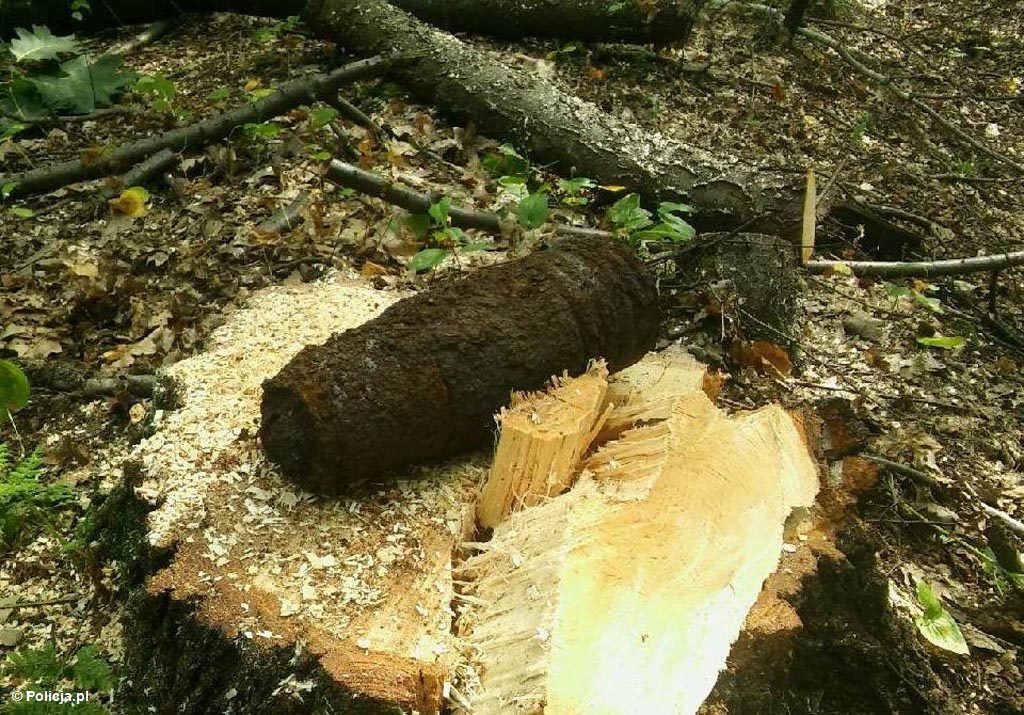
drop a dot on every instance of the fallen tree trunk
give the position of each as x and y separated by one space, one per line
556 128
634 21
422 381
56 15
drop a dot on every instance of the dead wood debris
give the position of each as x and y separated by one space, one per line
288 95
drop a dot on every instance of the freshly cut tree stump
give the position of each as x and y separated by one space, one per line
261 598
543 438
625 594
423 381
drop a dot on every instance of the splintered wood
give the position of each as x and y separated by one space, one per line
625 594
543 437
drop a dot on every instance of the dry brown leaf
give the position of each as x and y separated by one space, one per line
763 356
370 269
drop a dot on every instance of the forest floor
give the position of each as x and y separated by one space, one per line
85 292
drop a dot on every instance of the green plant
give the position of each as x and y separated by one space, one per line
79 9
563 51
271 32
574 191
158 90
322 116
50 75
860 128
965 167
533 210
916 294
264 130
506 162
436 225
935 623
26 504
88 672
14 389
637 224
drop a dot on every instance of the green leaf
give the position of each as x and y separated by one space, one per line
681 230
419 224
320 155
896 291
533 211
158 89
258 94
506 162
626 213
667 208
82 87
515 185
20 99
427 259
7 189
946 342
936 625
14 389
573 186
21 212
932 304
453 235
35 665
439 211
41 44
91 671
474 247
9 128
219 94
322 116
263 130
675 230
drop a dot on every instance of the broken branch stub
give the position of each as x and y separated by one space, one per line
543 438
422 381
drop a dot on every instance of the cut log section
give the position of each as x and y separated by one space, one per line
625 594
543 438
268 599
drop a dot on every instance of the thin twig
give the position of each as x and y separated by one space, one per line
922 478
1014 524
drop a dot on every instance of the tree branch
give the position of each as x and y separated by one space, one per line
949 267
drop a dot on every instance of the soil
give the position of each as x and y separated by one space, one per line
436 367
108 295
